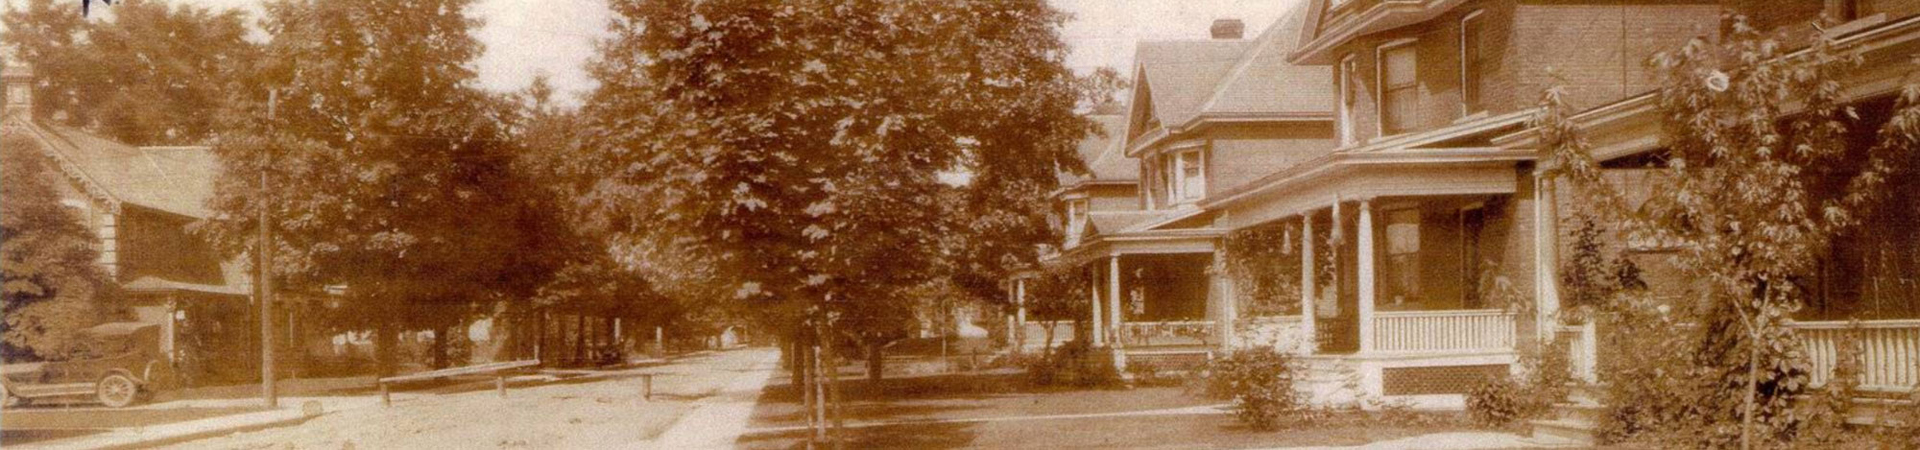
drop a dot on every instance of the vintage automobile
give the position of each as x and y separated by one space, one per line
122 365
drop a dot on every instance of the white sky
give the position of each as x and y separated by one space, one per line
528 37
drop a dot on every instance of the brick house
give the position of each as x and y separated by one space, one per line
1363 132
1864 289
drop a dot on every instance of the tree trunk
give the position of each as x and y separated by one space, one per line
440 336
796 362
1051 325
579 338
876 361
385 337
541 348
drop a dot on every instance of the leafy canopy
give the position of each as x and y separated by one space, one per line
794 147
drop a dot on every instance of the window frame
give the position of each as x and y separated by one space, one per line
1348 70
1472 71
1381 89
1199 170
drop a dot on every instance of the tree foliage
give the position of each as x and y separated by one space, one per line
1759 177
53 286
390 172
151 74
794 148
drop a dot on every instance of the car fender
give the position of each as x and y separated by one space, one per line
120 371
147 374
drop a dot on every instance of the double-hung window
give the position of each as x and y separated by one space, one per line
1349 91
1399 89
1403 256
1076 221
1472 58
1186 176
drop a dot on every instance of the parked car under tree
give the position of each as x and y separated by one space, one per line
123 365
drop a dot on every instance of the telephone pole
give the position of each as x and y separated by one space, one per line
263 251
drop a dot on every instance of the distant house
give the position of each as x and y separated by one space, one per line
139 201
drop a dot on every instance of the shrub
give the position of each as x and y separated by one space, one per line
1260 381
1076 364
1496 402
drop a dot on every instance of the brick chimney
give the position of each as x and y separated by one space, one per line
1228 29
18 78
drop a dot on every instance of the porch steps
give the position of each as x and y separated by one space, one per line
1575 421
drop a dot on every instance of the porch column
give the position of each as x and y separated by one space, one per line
1020 311
1099 328
1364 267
1546 265
1223 307
1113 296
1309 338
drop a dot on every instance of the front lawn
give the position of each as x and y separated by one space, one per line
1002 410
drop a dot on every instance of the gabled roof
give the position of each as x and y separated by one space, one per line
1187 83
177 180
1180 76
1263 83
1102 153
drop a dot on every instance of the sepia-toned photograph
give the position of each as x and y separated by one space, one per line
942 224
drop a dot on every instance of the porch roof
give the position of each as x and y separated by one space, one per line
1150 242
1331 178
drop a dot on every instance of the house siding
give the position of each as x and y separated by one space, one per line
1594 49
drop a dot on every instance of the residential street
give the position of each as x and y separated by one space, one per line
593 412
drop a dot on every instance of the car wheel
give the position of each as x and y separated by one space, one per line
116 390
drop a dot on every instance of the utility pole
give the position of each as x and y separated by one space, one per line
265 281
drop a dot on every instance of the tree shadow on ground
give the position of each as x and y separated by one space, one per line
921 435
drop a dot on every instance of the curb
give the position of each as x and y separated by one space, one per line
174 433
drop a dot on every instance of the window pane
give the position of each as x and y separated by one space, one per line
1194 177
1398 64
1470 64
1399 109
1403 232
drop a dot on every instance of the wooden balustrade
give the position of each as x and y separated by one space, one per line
1889 350
1185 332
1405 331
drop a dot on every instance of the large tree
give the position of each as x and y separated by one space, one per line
796 146
53 285
390 172
147 74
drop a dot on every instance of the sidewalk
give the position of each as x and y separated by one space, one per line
292 411
720 420
1446 441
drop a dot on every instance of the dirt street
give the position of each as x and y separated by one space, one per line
601 412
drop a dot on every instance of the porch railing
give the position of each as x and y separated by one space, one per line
1482 329
1185 332
1889 350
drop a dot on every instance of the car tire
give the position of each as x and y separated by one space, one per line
116 390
